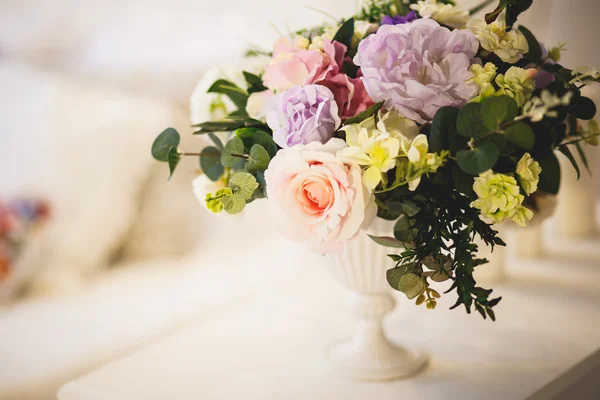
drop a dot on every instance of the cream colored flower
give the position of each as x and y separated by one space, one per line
498 197
483 76
258 103
508 45
522 216
528 172
328 34
446 14
420 160
517 83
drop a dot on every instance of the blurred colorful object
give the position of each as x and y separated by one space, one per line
20 220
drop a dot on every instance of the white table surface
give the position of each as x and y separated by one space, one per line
269 344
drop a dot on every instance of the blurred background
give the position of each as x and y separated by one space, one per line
111 255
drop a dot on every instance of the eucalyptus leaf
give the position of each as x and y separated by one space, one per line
479 159
443 129
520 134
387 241
463 182
234 146
173 159
210 162
243 184
216 141
233 204
584 109
497 110
252 136
411 285
469 122
167 140
403 231
259 159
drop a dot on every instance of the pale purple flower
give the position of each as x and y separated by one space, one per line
303 114
399 19
418 67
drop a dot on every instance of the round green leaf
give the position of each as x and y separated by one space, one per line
173 160
210 162
481 158
584 109
550 176
252 136
469 122
497 110
243 184
259 159
233 204
411 285
168 139
520 134
234 146
443 129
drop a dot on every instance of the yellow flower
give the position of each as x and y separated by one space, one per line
508 45
483 76
498 197
517 83
377 145
420 160
447 14
528 171
522 215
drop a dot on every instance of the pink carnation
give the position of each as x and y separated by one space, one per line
418 67
316 198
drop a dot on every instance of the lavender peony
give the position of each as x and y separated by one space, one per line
303 114
418 67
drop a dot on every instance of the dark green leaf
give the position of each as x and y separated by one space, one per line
216 141
410 208
365 114
550 176
235 146
520 134
463 182
491 17
345 33
387 241
210 162
167 140
469 122
584 109
174 159
567 152
491 314
443 129
583 157
252 136
403 231
478 160
259 159
535 50
498 109
228 125
238 96
255 83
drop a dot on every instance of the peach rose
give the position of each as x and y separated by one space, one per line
316 198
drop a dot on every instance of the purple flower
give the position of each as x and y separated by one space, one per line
303 114
418 67
399 19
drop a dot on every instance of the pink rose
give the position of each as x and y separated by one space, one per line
293 66
316 198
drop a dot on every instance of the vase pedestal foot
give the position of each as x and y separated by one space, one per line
374 358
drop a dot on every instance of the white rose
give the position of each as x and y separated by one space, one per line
257 104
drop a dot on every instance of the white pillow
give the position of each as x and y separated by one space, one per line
84 148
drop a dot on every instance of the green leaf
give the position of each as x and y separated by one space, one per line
238 96
535 50
365 114
583 157
550 176
252 136
394 275
387 241
167 140
173 160
491 314
443 129
403 231
255 83
411 285
234 146
514 9
498 109
233 204
520 134
469 122
345 33
228 124
478 160
210 162
259 159
584 109
216 140
243 184
410 208
567 152
491 17
463 182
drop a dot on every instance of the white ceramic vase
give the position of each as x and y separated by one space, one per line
368 354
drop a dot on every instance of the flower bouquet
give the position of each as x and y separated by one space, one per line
411 112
